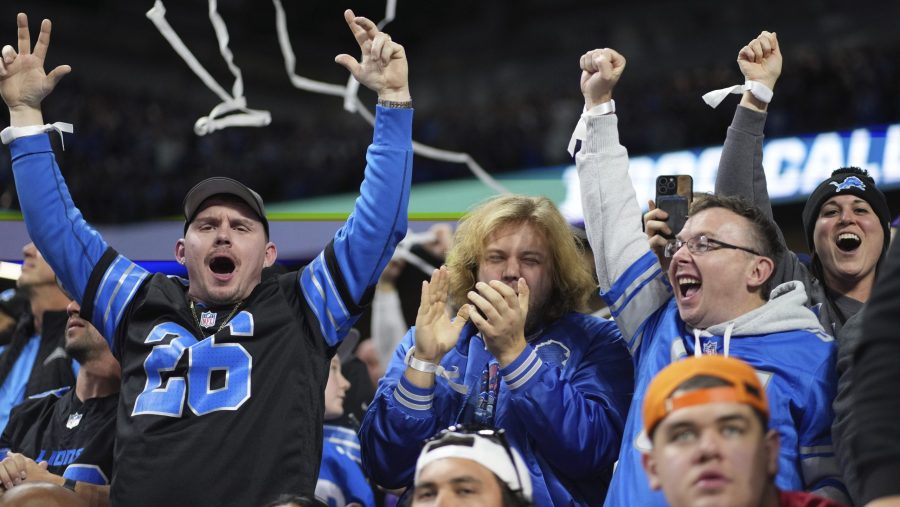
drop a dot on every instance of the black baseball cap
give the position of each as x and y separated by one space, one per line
218 185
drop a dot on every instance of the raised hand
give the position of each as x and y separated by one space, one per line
600 71
23 83
436 334
502 318
760 60
383 67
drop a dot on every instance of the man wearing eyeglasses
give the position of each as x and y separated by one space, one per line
715 300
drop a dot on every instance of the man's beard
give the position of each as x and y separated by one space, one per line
81 352
535 319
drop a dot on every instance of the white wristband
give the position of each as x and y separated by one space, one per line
10 134
418 364
581 129
759 90
436 369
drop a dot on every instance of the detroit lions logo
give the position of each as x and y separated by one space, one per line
848 183
553 352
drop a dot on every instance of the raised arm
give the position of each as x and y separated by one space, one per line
740 166
71 247
403 413
741 170
612 216
342 279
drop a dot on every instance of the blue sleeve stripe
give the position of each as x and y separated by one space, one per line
117 287
635 277
91 474
307 280
313 281
337 304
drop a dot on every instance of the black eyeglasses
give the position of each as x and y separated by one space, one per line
702 244
463 435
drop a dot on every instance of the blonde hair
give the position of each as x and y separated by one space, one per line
573 282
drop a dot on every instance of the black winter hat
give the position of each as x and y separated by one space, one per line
852 181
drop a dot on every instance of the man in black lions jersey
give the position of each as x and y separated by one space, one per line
66 436
222 374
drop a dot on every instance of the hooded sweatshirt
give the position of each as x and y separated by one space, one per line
782 339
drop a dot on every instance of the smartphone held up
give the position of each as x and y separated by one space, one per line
674 194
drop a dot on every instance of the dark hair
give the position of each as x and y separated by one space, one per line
763 232
302 501
708 381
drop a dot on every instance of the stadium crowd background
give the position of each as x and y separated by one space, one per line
490 78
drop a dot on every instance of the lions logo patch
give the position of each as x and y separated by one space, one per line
553 352
848 183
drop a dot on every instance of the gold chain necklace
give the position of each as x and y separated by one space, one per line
224 322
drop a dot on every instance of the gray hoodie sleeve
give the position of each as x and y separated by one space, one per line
741 174
740 167
613 222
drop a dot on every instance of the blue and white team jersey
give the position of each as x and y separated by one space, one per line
782 340
194 406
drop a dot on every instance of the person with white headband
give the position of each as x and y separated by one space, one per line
471 468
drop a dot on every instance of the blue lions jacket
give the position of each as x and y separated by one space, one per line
562 403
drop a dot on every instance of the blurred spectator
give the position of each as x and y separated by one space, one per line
35 361
66 436
341 479
876 442
13 304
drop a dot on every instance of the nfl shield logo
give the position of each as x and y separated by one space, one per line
710 348
74 420
208 319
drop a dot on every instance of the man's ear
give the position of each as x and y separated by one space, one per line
271 254
179 251
649 464
773 446
763 268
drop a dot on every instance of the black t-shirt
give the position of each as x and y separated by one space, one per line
75 438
